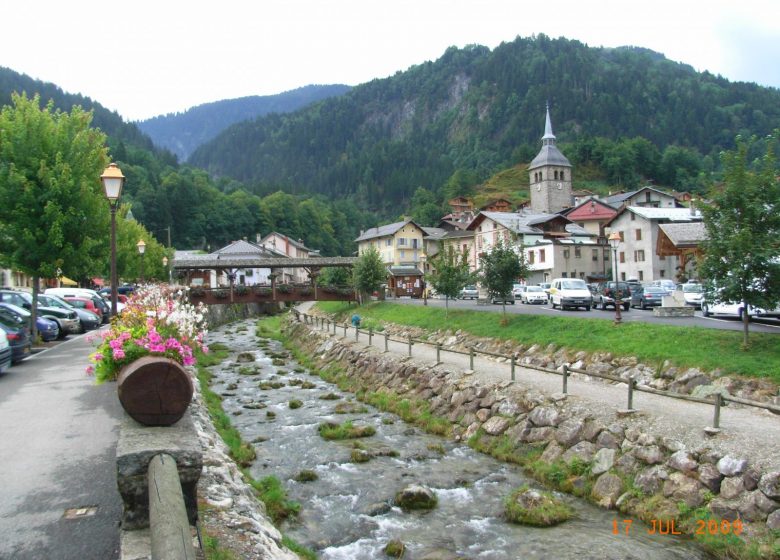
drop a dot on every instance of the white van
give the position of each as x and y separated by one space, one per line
570 292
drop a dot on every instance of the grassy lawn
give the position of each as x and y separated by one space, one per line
707 349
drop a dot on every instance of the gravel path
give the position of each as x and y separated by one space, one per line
745 431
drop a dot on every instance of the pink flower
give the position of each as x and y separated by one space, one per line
90 370
97 356
119 353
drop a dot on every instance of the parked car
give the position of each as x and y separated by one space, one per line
6 354
570 292
533 294
506 298
121 290
647 296
606 294
518 289
666 284
692 293
89 320
546 287
86 304
709 309
469 292
47 329
83 292
66 319
17 331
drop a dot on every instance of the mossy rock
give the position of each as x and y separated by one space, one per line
295 382
330 397
278 362
395 549
360 456
415 497
350 408
232 387
333 431
527 506
299 369
295 403
308 385
245 370
270 414
306 475
254 406
245 357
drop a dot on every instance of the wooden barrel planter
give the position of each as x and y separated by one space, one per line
155 391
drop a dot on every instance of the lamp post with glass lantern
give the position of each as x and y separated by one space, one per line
614 241
141 249
113 180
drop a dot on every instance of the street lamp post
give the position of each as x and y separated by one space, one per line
113 180
424 281
141 249
165 264
614 241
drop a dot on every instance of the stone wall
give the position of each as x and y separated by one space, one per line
663 376
627 465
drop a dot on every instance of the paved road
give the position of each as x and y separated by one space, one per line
634 315
746 431
58 452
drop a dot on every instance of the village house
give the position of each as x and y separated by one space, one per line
554 246
637 254
285 246
591 215
401 247
647 197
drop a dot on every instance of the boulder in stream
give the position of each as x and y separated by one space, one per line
527 506
416 496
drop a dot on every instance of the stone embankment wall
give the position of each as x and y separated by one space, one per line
662 376
628 465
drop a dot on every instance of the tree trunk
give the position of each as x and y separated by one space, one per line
34 311
745 329
446 306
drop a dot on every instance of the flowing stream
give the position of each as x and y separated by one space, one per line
347 512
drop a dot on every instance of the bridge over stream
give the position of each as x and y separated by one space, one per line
194 266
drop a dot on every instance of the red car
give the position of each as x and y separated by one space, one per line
85 303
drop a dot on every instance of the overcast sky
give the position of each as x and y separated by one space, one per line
145 58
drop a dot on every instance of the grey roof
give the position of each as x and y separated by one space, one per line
524 223
549 155
382 231
242 247
213 261
458 233
617 200
434 232
404 270
689 234
667 214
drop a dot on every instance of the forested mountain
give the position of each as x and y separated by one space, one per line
200 212
181 133
474 111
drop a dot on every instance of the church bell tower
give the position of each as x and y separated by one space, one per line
550 176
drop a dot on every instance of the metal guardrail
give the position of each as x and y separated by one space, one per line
717 401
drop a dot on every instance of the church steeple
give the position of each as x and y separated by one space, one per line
550 174
549 137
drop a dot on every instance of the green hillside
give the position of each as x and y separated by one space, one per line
630 112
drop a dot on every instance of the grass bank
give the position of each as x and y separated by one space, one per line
708 349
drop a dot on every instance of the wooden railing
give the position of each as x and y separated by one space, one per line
269 293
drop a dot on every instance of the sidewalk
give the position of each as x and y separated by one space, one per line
58 494
745 431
